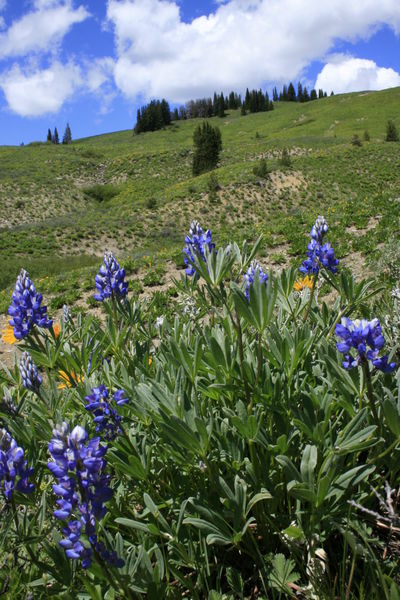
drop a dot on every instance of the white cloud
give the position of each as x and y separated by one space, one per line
347 74
40 30
41 91
244 42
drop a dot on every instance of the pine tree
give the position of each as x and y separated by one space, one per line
55 139
208 144
313 94
391 132
306 96
300 97
165 112
221 106
49 135
291 93
67 137
243 110
275 95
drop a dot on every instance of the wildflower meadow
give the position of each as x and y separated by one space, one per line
248 447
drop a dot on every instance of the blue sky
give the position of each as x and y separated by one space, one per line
93 62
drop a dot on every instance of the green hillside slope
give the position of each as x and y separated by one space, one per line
61 206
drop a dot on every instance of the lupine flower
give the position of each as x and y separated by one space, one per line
249 277
25 308
110 280
66 313
31 380
106 417
8 405
319 229
14 473
367 339
83 486
196 243
319 254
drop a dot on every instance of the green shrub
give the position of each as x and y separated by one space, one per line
101 193
391 132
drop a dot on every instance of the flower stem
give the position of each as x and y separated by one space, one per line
370 392
311 297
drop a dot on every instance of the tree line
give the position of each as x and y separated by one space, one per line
54 138
288 94
157 114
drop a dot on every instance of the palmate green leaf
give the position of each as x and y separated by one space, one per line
283 573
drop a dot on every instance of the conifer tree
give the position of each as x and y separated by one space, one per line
275 95
67 137
208 144
291 93
391 132
313 94
49 135
55 139
300 97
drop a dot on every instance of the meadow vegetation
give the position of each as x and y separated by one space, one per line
233 433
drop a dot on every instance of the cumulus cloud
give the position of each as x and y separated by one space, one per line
41 29
347 74
244 42
41 91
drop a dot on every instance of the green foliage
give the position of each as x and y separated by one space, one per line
101 193
261 169
208 144
355 140
247 457
392 134
285 159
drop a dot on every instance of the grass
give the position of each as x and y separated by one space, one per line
61 206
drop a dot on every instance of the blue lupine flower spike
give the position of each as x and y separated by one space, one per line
83 486
25 308
254 269
319 254
14 473
110 280
366 338
106 417
196 242
31 380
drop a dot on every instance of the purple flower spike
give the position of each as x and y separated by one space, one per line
196 242
106 417
25 309
367 339
79 467
249 277
319 254
14 473
110 280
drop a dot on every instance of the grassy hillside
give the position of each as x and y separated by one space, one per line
61 206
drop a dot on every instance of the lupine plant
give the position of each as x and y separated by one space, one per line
239 450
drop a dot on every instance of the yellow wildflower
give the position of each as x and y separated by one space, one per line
150 360
302 283
66 379
56 329
8 336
